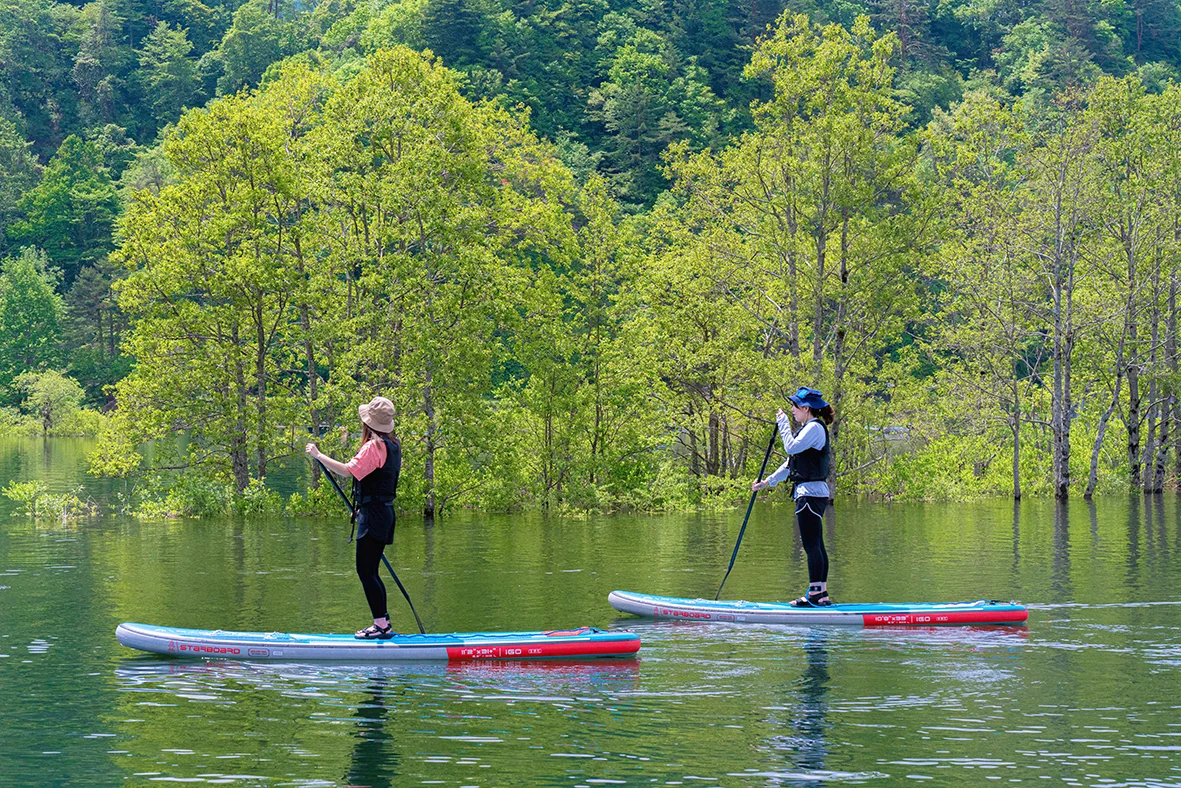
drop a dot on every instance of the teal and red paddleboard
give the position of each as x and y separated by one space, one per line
582 643
983 611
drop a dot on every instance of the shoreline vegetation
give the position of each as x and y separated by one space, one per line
588 285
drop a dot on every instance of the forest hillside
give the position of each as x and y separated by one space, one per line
589 246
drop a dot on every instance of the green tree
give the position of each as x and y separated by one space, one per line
984 335
250 45
1152 32
30 315
100 63
585 379
809 224
1057 229
167 74
633 106
454 29
71 211
205 23
704 345
321 241
115 147
18 170
1127 216
94 328
50 395
442 204
35 76
208 290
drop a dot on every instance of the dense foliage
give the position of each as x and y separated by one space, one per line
590 246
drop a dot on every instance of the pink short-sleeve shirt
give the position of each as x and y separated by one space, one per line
368 459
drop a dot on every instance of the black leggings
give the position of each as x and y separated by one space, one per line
369 552
810 516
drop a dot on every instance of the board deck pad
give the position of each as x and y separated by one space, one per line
581 643
982 611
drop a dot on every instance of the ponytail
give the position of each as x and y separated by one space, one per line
825 414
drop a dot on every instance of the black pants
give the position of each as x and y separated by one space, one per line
369 550
810 516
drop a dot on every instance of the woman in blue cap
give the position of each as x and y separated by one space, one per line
808 461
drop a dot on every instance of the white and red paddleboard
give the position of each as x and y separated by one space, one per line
580 643
983 611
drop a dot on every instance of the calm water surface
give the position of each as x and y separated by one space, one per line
1087 694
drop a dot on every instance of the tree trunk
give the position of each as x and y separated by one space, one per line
1063 350
1171 354
102 349
740 462
838 359
238 451
1133 418
1015 426
428 473
1147 460
793 287
309 353
313 384
818 310
712 452
598 440
1093 479
260 384
1162 452
1157 463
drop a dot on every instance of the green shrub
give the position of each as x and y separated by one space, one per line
186 495
40 504
320 501
83 422
15 423
258 501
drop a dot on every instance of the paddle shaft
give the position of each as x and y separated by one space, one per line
749 506
384 560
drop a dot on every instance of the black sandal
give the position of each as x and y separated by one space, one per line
812 600
374 632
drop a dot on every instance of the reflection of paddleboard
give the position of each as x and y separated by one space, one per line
983 611
559 644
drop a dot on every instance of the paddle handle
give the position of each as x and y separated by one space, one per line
749 506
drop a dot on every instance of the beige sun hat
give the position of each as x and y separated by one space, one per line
378 414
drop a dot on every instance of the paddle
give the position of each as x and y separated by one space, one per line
384 560
749 506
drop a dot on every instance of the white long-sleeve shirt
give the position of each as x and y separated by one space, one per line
811 436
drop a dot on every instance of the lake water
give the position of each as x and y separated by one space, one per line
1087 694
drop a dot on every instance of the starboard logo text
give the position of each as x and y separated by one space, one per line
682 613
197 648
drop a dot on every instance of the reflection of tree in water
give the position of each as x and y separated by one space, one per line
809 715
374 763
1060 580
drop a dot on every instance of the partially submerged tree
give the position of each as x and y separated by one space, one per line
50 396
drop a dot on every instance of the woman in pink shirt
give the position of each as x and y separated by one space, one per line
374 471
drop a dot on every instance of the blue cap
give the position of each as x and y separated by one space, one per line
808 398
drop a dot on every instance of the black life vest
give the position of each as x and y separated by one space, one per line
811 465
381 485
